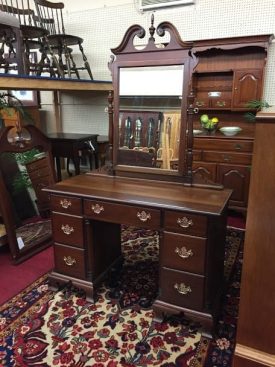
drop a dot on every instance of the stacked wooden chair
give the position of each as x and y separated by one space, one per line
11 45
34 38
50 17
37 41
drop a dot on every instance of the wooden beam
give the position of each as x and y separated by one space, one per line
34 83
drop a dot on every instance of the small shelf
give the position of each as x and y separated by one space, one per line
214 71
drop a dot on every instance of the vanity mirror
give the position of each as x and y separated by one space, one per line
26 166
153 104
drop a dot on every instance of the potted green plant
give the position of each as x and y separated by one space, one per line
256 105
10 104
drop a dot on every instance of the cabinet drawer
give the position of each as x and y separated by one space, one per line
228 157
202 102
183 252
221 103
182 289
223 145
191 224
197 155
67 229
125 214
66 204
69 261
43 172
38 164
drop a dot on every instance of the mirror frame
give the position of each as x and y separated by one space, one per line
37 140
174 52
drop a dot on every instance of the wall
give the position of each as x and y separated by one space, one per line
104 23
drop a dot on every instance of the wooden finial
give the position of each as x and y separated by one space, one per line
152 28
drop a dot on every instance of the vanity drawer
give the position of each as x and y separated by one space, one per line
66 204
125 214
67 229
182 289
223 145
69 261
228 157
183 252
181 222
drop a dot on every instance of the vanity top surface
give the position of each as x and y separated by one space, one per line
158 194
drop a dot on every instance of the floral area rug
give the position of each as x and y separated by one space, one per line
43 328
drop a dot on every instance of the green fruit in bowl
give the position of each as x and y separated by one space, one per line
204 119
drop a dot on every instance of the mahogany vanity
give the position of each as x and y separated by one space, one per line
148 182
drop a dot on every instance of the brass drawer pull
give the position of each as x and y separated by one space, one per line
184 222
65 203
220 103
70 261
200 103
238 146
226 158
97 209
67 229
182 288
143 216
183 252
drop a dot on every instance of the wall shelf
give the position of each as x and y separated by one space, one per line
15 82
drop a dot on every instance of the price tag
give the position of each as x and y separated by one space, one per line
20 243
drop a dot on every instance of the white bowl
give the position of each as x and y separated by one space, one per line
197 132
230 130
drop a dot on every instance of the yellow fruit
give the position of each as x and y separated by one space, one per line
215 120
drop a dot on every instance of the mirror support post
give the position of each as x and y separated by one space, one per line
189 151
109 155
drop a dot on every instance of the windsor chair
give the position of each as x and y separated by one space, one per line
11 40
50 16
34 38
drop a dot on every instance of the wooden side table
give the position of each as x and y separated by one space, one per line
68 145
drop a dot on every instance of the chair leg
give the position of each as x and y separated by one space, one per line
74 68
56 64
86 63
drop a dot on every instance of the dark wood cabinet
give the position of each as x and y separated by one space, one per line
229 74
225 161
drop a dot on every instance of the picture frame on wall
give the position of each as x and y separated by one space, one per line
29 98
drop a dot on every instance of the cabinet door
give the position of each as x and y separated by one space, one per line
247 86
236 178
204 172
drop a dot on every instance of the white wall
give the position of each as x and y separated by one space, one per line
73 5
102 24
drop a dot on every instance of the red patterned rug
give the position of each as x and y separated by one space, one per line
43 328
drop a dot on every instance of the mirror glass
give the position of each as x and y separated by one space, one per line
31 222
150 101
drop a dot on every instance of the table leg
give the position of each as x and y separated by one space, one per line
76 164
58 168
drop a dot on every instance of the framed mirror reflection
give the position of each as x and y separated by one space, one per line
26 167
151 89
150 116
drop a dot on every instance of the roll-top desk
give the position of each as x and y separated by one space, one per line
87 213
